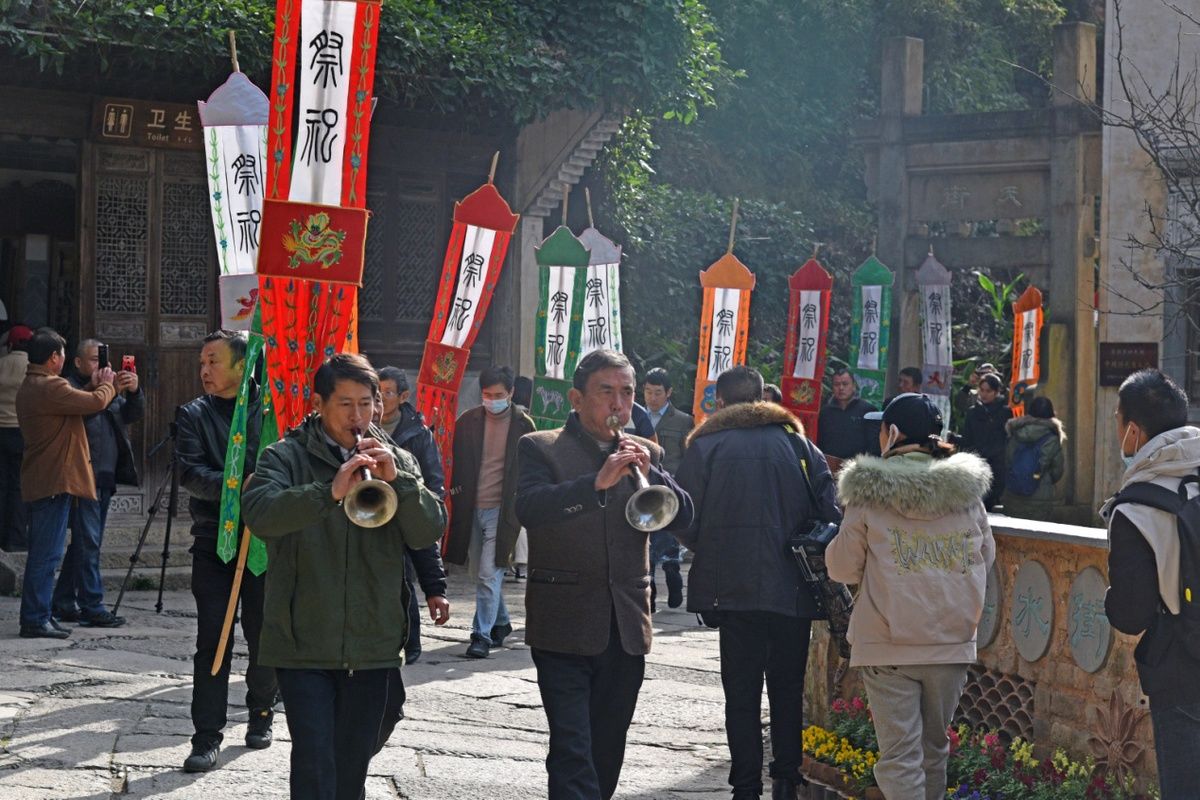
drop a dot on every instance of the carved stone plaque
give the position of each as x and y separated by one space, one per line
1088 632
1032 611
989 622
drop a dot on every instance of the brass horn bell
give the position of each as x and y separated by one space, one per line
651 508
370 503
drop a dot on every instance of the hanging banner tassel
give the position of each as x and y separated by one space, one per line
870 328
804 352
933 281
1027 350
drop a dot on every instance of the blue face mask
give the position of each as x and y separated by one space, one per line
1127 460
496 406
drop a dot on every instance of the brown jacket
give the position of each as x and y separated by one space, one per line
468 456
51 411
586 563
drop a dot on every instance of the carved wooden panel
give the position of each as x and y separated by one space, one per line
122 231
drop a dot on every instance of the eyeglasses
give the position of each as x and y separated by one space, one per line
390 393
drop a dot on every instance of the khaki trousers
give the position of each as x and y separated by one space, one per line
912 707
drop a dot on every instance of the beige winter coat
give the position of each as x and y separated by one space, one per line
916 540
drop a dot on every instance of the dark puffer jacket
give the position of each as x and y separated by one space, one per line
745 480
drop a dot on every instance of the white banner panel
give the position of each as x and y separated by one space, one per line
325 55
872 322
472 273
724 322
234 163
601 314
808 335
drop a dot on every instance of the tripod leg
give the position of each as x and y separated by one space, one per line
231 609
172 510
137 552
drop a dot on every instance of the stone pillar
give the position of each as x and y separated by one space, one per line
901 86
529 234
1071 367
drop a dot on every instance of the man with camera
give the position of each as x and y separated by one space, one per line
745 578
56 469
79 593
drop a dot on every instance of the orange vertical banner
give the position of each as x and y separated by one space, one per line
724 327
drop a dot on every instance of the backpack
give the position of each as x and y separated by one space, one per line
1024 471
1185 626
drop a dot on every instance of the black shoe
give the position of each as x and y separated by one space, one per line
54 624
101 619
478 647
66 616
500 633
203 758
411 656
674 585
518 574
258 733
47 630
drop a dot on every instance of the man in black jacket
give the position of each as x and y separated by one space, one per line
843 432
406 427
743 468
1158 447
201 442
79 592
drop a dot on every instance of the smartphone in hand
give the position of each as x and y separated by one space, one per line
129 364
102 352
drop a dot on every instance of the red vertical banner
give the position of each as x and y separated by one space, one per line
483 226
1026 350
810 289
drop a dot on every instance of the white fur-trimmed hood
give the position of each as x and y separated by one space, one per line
915 485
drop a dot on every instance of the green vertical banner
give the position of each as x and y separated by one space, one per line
870 328
562 271
235 458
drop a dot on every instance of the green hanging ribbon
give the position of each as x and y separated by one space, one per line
870 329
235 459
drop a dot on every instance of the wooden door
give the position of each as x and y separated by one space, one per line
148 284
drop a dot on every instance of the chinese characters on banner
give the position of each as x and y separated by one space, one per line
327 33
810 289
562 275
234 120
870 328
483 226
601 294
1027 356
933 280
724 327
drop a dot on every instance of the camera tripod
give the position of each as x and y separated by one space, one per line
171 479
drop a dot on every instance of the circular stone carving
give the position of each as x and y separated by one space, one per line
1032 614
989 622
1087 625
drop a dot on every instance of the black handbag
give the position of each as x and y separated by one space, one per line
834 601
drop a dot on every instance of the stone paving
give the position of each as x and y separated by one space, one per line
105 715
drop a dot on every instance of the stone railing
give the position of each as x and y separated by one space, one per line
1050 668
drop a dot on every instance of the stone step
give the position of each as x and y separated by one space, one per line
144 579
151 556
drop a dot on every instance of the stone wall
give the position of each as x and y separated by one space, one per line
1050 697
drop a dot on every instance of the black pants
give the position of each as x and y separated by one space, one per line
212 579
393 710
754 644
413 643
14 514
589 702
334 718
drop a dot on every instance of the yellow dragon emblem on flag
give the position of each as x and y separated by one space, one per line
314 243
445 367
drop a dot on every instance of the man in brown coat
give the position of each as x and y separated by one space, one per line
588 601
56 467
483 522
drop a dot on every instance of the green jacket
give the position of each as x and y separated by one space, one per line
335 596
1051 463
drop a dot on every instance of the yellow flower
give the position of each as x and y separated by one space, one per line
229 526
238 438
232 483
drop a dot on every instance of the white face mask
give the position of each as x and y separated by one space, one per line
1127 460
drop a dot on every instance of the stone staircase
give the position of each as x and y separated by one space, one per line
120 542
